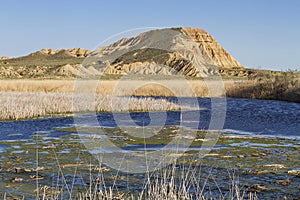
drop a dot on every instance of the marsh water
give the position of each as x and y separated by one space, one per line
244 116
260 139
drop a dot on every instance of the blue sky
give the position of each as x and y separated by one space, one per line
258 33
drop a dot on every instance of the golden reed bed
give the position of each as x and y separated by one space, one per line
20 105
33 98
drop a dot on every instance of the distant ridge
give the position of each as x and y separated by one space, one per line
46 63
75 52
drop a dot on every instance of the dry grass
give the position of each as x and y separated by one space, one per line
20 105
21 99
275 88
24 85
107 87
173 185
33 98
168 183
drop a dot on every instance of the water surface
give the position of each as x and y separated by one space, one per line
243 116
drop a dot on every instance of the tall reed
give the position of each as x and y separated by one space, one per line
20 105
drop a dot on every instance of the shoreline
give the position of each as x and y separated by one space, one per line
174 107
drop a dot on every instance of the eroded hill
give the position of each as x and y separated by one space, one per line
190 52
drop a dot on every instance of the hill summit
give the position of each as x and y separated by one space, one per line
186 51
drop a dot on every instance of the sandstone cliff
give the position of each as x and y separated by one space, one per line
215 51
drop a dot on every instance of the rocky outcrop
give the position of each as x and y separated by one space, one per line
75 52
212 48
151 61
4 57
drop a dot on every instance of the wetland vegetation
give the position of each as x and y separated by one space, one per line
48 158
